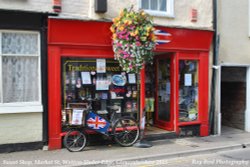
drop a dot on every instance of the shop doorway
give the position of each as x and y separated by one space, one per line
179 90
159 81
163 106
233 97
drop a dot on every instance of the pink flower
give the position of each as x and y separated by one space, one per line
138 43
124 52
123 32
132 27
120 36
125 56
119 44
126 36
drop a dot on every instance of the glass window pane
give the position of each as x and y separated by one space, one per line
162 5
153 4
145 4
20 76
19 43
82 81
188 90
164 89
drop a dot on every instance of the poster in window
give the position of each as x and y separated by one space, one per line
86 79
101 65
131 78
77 117
102 85
188 80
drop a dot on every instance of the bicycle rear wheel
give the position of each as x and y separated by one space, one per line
125 131
75 140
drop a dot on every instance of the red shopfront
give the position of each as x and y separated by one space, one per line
180 86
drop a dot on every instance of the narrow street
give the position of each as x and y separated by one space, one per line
239 157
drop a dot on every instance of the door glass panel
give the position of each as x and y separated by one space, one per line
164 90
188 90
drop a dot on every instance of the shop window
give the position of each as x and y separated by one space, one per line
158 7
188 90
100 83
20 71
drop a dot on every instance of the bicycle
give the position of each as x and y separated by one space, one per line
124 130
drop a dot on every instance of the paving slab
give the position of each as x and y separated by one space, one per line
112 153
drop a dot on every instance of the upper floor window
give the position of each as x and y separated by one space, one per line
158 7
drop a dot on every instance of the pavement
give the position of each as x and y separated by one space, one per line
114 155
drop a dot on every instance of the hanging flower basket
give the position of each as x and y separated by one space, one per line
133 39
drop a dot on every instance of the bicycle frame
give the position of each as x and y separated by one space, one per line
119 128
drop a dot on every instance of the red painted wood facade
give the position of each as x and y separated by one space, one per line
92 39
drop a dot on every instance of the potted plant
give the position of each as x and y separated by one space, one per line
133 39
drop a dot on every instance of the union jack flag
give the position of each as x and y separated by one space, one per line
97 123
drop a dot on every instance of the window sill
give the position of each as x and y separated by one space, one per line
4 109
159 14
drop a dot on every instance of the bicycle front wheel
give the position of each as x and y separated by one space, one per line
75 140
126 131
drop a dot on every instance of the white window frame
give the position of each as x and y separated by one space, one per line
168 13
249 18
21 107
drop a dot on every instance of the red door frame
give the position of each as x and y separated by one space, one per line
159 123
203 90
174 124
92 39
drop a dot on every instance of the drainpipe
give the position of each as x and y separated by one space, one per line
215 67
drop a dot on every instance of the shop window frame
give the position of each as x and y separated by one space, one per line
190 89
22 107
168 13
109 100
201 78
